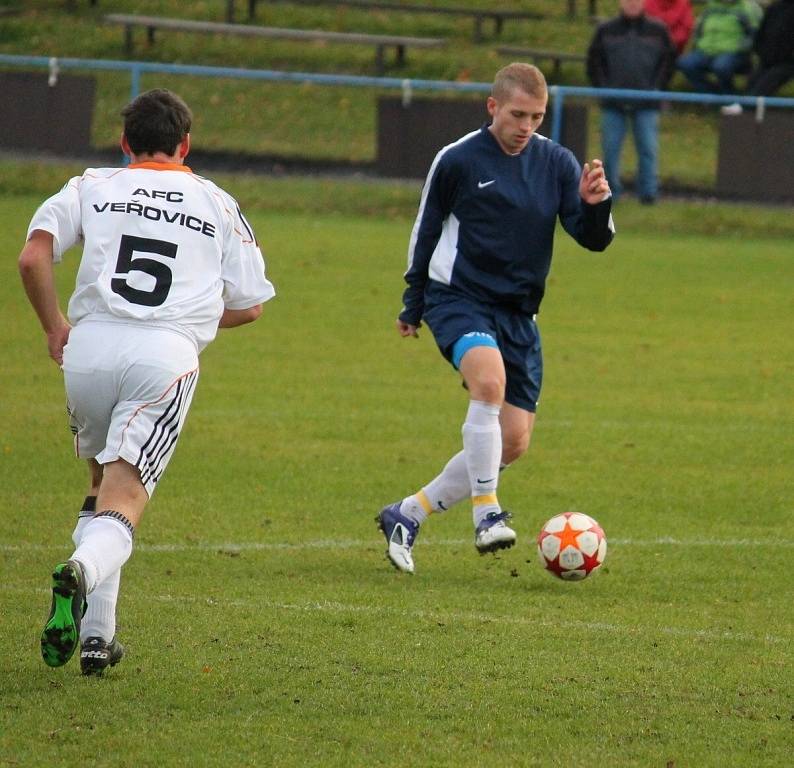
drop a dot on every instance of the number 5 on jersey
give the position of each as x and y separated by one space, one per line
161 273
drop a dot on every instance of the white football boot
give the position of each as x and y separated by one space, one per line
400 533
492 534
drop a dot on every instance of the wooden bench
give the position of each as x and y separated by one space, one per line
380 42
479 15
535 55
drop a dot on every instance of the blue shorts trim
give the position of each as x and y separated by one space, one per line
468 341
452 317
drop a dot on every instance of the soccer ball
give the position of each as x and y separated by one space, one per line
572 545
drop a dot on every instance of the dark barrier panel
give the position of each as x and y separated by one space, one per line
756 158
410 136
37 116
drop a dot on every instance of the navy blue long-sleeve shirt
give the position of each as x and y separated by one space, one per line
486 220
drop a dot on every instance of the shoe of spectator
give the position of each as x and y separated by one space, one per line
732 109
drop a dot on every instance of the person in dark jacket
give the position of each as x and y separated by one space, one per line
774 45
633 51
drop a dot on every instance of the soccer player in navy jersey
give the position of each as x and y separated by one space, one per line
478 258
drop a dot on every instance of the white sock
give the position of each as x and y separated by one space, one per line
105 545
482 446
86 513
77 533
412 508
100 616
451 486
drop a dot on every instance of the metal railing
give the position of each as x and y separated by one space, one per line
557 93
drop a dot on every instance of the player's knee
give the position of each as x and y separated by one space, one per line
490 388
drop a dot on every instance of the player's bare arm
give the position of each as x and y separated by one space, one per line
35 268
593 185
232 318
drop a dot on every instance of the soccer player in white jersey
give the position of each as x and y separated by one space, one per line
168 258
478 259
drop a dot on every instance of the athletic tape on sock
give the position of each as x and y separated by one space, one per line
424 501
489 498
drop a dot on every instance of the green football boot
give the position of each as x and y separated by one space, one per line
61 634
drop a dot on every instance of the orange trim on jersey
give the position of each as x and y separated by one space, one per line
153 402
151 165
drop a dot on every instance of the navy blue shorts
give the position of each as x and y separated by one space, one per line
515 333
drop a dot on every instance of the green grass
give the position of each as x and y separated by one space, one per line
398 200
263 624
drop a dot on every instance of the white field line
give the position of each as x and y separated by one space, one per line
454 617
258 546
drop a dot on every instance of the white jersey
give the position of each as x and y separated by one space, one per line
162 246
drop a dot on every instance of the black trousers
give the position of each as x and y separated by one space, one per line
766 81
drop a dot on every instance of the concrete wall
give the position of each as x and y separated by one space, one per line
37 116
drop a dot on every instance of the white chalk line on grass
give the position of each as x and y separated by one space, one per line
452 617
260 546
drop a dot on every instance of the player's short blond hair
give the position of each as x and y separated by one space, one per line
527 77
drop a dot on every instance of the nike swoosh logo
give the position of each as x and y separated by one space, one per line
483 184
485 482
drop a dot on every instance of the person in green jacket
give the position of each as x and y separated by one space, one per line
721 45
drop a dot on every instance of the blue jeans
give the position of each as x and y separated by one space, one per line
645 123
698 67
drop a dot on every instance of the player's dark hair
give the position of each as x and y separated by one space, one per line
156 121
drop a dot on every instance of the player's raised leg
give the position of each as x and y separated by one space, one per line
400 521
105 544
62 631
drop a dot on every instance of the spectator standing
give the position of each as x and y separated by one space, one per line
677 16
774 45
723 39
634 51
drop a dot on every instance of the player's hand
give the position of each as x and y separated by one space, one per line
406 329
57 340
593 186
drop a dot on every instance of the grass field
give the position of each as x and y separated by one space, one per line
263 624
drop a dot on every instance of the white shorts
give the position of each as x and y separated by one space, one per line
128 392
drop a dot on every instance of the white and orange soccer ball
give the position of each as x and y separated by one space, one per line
572 545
